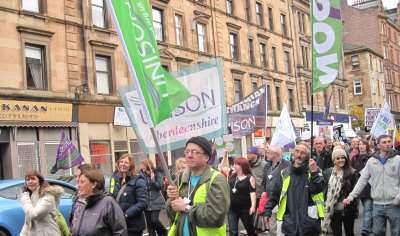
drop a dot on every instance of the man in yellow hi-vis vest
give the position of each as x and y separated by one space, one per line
298 191
199 201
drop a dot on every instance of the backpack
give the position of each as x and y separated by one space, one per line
62 224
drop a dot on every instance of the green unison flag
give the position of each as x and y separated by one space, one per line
326 43
160 92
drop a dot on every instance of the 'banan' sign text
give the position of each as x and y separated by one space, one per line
11 110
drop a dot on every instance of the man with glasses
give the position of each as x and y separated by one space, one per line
199 200
382 172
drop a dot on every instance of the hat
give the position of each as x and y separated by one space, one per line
253 150
203 143
337 152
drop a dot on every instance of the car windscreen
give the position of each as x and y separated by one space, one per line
13 192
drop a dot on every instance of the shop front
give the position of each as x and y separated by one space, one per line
30 132
105 135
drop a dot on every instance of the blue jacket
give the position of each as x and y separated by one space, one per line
133 201
155 200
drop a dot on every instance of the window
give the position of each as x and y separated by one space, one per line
274 62
35 67
238 90
248 10
270 19
136 151
269 97
254 85
201 37
341 98
357 87
100 154
178 30
301 21
291 100
103 85
308 93
158 24
278 97
355 62
288 63
263 54
31 5
234 45
251 52
98 13
259 14
304 54
229 7
283 25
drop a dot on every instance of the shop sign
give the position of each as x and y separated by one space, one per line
120 117
13 110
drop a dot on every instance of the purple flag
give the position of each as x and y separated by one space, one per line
68 155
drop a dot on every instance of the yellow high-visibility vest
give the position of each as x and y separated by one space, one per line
318 199
200 197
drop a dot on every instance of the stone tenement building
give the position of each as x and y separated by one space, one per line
62 65
368 24
338 90
364 71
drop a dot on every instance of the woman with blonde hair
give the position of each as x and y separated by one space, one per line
130 191
180 166
40 202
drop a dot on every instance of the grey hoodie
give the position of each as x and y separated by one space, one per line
384 180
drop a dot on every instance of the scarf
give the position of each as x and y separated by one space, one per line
334 188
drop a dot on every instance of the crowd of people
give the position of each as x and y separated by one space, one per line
317 192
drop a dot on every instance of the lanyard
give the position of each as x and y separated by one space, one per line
194 187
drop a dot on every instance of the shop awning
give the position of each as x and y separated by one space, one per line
50 124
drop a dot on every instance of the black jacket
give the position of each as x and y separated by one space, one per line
270 173
296 220
324 160
155 201
349 181
101 216
133 202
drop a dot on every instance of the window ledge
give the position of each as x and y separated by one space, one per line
38 15
103 30
103 44
24 29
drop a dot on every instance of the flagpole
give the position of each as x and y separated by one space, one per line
161 155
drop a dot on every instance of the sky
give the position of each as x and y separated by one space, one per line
388 4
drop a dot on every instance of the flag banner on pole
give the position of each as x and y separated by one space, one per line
161 92
383 122
248 114
326 42
370 116
284 132
202 114
68 155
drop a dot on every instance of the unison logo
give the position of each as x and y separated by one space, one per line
326 39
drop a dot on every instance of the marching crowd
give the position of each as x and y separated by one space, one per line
316 192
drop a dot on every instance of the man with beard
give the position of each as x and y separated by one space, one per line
298 191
